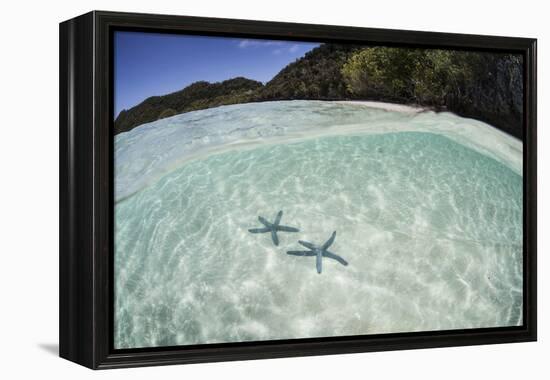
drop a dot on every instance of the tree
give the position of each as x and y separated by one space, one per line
381 72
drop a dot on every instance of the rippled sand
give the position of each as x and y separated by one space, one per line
431 228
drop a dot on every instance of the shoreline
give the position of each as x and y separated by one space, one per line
393 107
381 105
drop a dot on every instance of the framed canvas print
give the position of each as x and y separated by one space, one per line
237 189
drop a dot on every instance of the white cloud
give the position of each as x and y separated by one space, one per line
294 48
243 44
280 47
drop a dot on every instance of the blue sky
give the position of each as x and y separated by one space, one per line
148 64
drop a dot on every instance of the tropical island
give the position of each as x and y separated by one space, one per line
483 86
346 141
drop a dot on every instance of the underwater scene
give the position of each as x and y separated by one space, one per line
252 218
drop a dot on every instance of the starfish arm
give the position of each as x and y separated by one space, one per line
287 229
329 242
264 221
306 244
274 237
259 230
334 256
301 253
278 217
319 262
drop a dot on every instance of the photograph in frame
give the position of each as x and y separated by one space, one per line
270 189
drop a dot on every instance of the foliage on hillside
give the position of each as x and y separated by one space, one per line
317 75
486 86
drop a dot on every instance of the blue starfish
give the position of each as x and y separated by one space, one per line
273 227
319 251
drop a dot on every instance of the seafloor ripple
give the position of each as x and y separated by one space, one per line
432 231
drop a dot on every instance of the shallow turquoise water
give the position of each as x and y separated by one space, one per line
432 231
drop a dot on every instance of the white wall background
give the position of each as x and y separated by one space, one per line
29 190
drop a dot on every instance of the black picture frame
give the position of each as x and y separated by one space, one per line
86 190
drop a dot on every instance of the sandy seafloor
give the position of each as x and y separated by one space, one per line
427 208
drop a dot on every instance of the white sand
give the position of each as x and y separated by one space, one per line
385 106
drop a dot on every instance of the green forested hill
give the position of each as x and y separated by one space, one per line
196 96
317 75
